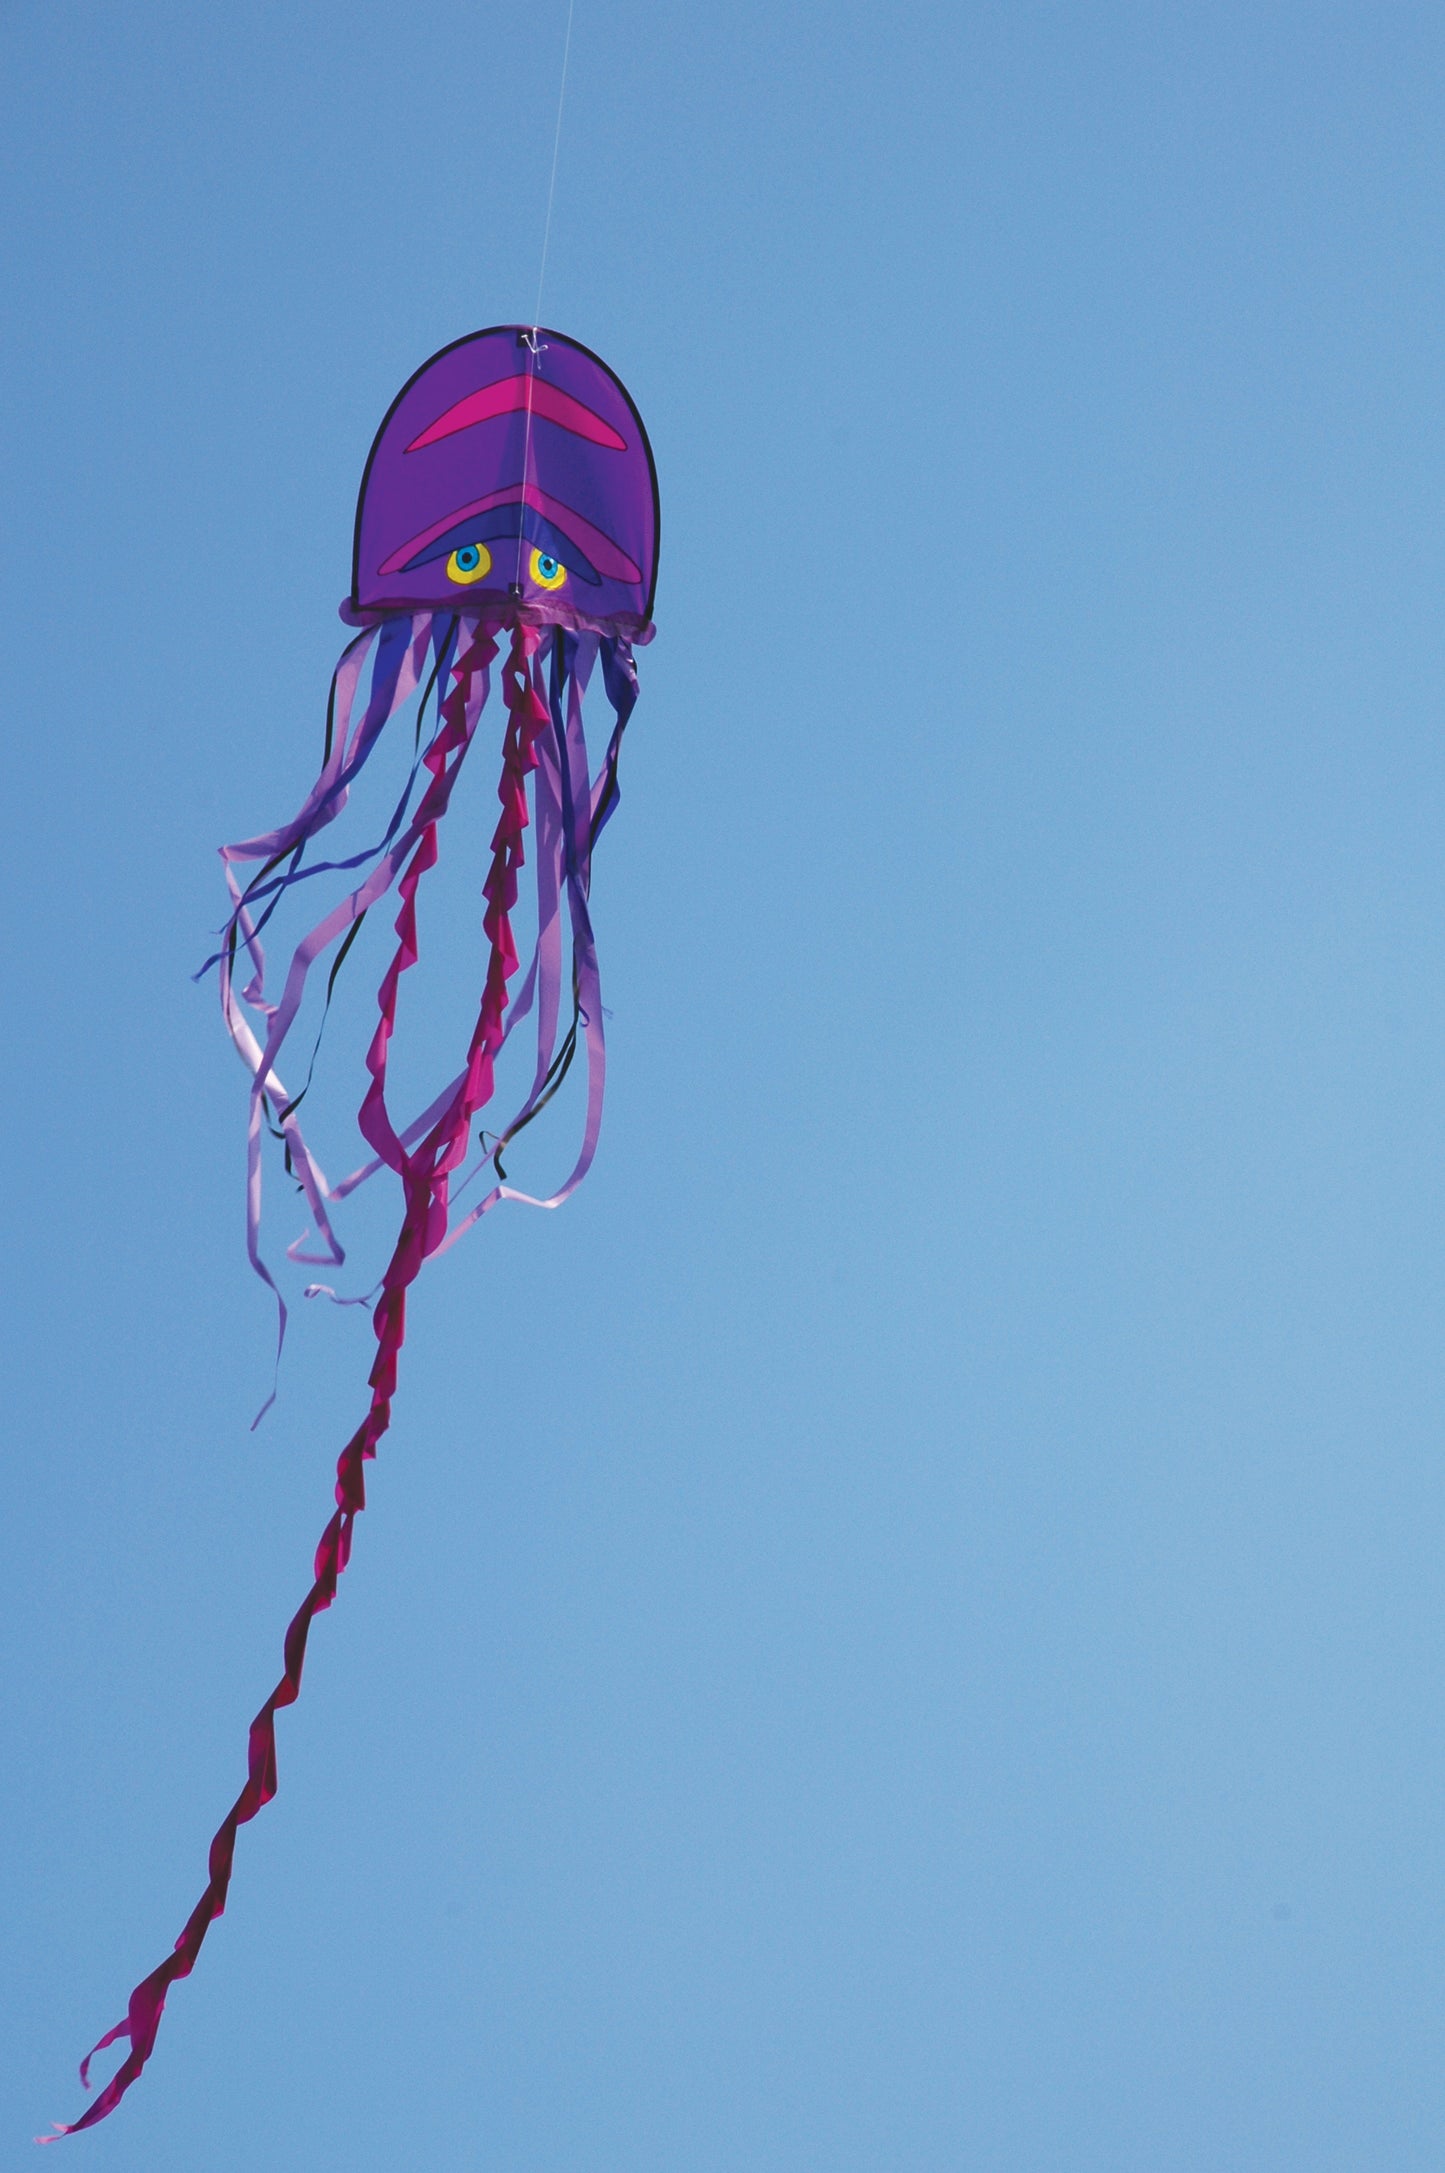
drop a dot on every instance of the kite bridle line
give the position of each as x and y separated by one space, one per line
533 341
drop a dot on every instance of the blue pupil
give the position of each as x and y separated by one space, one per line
546 567
469 558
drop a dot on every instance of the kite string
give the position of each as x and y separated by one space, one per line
532 344
552 184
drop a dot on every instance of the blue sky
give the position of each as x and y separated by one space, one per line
903 1629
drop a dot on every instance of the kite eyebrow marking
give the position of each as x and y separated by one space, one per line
508 396
513 519
608 557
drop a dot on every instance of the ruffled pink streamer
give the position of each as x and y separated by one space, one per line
553 851
542 983
426 1176
577 856
260 1060
321 806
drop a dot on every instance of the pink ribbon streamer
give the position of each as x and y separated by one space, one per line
266 1088
426 1173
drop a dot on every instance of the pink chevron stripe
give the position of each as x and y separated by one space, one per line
508 396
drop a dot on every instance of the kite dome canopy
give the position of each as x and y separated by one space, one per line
512 475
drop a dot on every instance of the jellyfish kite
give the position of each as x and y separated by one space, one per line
507 525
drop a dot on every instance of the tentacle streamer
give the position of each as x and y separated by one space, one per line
585 810
544 973
425 1174
442 762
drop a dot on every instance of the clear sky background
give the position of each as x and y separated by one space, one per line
902 1632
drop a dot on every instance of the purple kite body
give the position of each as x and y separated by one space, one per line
526 486
509 494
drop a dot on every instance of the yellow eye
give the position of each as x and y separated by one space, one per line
469 564
547 572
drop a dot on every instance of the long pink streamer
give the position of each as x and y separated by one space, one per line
426 1174
261 1061
579 796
